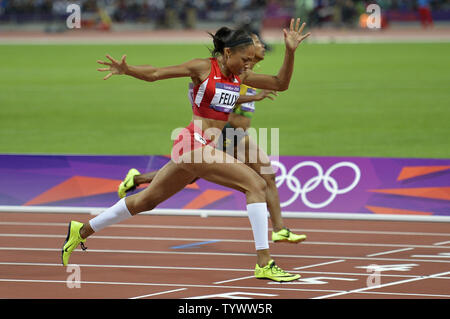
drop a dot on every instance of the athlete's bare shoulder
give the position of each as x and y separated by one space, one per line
198 64
200 69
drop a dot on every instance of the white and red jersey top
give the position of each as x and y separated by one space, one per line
216 96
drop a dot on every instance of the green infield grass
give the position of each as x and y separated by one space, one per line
377 100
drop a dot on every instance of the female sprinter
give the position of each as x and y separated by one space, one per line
216 90
240 118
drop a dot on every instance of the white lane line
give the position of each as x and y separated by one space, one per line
442 243
161 285
389 252
158 293
374 245
305 230
440 255
382 286
321 264
126 266
199 286
233 295
364 274
131 238
218 239
360 274
230 280
176 252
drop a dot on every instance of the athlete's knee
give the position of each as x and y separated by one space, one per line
137 204
145 207
258 186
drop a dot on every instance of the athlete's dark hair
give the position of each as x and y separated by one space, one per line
228 38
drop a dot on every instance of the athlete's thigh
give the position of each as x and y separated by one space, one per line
169 180
221 168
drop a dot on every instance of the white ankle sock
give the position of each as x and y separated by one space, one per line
111 216
257 213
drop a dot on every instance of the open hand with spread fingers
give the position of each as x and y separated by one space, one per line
270 94
294 36
115 67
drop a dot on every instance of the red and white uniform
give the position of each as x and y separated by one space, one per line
216 96
215 99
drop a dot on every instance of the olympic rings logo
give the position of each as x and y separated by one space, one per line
330 183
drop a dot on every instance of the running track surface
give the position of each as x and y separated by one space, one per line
175 257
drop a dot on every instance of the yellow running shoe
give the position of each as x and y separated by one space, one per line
72 241
273 272
285 235
128 183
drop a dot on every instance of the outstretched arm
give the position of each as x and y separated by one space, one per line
196 69
280 82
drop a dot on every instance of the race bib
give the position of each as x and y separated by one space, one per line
225 98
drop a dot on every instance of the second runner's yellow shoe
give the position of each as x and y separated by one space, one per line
285 235
273 272
128 183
